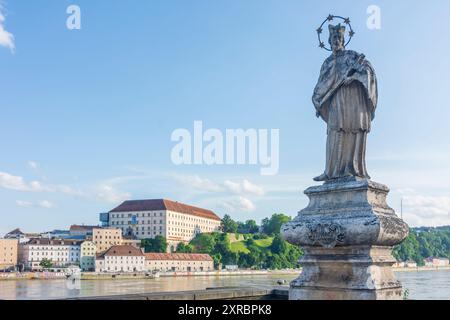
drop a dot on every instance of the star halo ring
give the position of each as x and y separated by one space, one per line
329 19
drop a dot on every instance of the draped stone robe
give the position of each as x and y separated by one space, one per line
345 97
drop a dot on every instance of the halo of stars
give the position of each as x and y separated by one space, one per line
330 18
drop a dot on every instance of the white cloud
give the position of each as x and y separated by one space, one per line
46 204
32 164
244 187
109 194
104 192
232 186
197 183
6 38
249 187
25 204
238 204
41 204
425 210
17 183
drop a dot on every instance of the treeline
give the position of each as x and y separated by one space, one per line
262 246
423 243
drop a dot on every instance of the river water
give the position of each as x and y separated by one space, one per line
423 285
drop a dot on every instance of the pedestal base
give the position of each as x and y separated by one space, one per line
346 273
347 232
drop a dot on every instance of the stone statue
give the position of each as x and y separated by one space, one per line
348 230
345 97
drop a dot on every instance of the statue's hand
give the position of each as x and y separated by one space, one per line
318 114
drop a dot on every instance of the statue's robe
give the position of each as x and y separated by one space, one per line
345 97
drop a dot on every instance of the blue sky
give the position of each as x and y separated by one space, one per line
87 115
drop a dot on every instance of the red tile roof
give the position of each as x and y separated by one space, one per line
178 256
54 242
163 204
121 251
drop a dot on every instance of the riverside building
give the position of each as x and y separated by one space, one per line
181 262
62 253
121 258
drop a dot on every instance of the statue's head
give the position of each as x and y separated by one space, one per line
337 37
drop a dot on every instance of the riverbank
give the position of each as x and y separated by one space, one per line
421 269
140 276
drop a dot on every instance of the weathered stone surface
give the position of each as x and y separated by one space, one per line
346 213
346 273
347 232
345 97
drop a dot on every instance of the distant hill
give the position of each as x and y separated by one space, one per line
424 242
427 229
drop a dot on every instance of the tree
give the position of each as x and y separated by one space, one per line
273 225
157 244
46 263
204 243
184 248
228 225
278 246
423 243
249 227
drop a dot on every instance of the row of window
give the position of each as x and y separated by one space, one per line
106 237
170 215
129 215
55 248
57 259
55 253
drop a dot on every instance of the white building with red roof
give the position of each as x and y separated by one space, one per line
121 259
176 221
178 262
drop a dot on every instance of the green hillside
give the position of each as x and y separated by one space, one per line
241 247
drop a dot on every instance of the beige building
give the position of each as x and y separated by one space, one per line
122 258
187 262
9 249
105 238
436 262
176 221
81 230
131 242
88 251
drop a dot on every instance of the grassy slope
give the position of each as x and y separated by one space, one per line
241 247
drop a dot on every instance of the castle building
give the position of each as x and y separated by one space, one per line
177 222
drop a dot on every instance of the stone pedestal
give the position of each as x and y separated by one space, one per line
347 232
